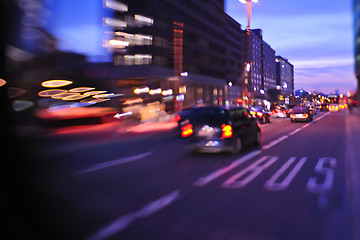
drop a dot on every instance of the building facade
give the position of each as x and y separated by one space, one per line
284 76
170 38
263 70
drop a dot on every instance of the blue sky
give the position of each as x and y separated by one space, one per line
315 35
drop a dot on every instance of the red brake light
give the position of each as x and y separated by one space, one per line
259 114
227 131
292 115
356 103
305 115
176 118
187 130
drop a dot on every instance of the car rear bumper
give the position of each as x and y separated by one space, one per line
300 119
212 145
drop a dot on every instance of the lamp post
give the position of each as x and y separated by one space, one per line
246 83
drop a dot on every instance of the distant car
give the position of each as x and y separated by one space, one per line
217 129
280 112
334 108
301 113
261 114
324 107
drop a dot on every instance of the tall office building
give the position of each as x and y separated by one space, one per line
284 76
263 70
160 39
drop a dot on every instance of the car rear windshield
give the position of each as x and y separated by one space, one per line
209 115
300 109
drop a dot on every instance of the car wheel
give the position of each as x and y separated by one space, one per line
237 146
258 138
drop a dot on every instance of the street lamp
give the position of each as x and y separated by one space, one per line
247 84
248 3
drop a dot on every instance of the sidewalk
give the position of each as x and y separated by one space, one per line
353 169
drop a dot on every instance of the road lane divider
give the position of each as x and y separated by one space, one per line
113 163
124 221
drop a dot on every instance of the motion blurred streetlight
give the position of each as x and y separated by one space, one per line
248 3
246 85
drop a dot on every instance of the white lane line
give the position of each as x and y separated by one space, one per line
274 142
114 163
124 221
205 180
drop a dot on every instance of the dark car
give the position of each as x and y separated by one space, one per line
182 118
217 129
324 107
301 113
261 114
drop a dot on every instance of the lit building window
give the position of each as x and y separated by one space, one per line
114 22
142 20
116 5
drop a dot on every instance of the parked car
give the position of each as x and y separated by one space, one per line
217 129
261 114
301 113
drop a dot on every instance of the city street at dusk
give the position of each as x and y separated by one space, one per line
180 119
297 185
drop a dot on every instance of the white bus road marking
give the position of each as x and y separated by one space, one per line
271 184
205 180
326 186
212 176
114 163
124 221
253 170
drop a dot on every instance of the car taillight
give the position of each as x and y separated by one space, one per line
259 114
292 115
284 111
274 111
226 131
176 118
305 115
252 113
187 130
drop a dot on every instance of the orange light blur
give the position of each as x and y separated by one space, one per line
63 95
2 82
187 130
259 114
52 92
227 131
56 83
81 89
176 118
305 115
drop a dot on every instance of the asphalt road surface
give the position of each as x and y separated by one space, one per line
293 186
